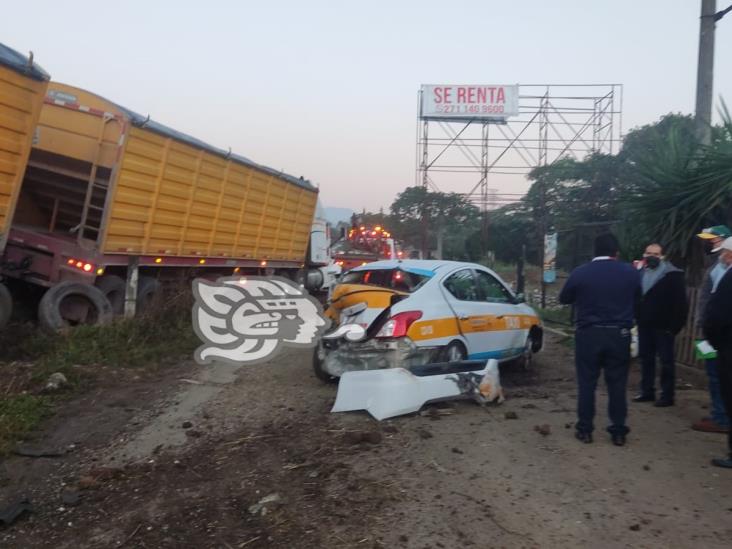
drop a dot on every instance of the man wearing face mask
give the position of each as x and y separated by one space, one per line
717 421
718 331
661 316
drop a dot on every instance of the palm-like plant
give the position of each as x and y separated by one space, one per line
683 187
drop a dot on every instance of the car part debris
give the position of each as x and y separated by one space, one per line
397 391
266 504
11 513
55 382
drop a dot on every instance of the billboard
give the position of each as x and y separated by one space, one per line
466 102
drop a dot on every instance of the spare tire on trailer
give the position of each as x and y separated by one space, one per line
113 287
6 306
148 289
72 303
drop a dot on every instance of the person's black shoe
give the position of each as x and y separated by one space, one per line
643 398
663 403
583 437
618 439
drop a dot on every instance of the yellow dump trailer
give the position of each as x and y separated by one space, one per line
106 188
22 89
123 185
172 199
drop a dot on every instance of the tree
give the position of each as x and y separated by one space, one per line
511 228
448 214
684 186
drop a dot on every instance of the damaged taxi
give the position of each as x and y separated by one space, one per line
404 313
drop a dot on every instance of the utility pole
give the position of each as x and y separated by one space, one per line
705 72
705 69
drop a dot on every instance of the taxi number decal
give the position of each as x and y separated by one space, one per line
513 323
426 330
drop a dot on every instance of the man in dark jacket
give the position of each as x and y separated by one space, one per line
661 316
717 421
718 332
605 293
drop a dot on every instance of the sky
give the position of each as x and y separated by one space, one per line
328 90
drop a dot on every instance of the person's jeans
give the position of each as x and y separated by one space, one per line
653 342
719 415
609 349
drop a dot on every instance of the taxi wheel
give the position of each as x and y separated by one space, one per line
454 352
527 356
320 373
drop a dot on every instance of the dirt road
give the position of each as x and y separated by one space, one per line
180 460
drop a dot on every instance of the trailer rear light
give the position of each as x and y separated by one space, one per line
263 263
236 270
158 260
201 261
81 265
398 325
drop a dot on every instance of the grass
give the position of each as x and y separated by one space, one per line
151 341
20 414
560 316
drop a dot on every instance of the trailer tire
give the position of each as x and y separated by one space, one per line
52 310
6 306
114 288
148 289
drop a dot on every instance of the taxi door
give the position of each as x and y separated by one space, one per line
505 334
462 294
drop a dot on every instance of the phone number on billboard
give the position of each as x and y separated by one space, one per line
475 109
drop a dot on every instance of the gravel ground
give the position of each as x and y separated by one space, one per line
184 458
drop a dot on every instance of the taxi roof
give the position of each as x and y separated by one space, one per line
427 266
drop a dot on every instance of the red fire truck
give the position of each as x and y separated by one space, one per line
363 244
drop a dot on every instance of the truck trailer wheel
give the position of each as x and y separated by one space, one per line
148 289
6 306
113 287
69 304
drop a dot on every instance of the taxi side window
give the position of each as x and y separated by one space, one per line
462 286
491 290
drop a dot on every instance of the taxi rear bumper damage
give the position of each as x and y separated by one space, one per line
339 356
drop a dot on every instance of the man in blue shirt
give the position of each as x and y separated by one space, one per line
606 294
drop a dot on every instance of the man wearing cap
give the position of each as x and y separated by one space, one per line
606 293
718 422
661 316
718 332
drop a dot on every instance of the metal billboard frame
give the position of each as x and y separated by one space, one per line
555 120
